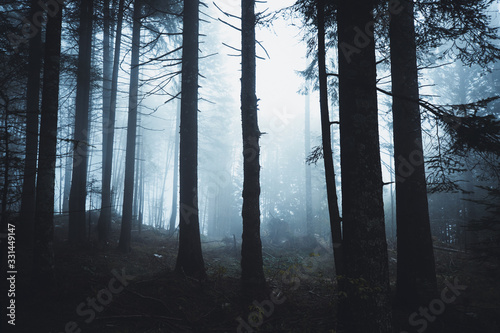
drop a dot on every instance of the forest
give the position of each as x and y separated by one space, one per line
250 166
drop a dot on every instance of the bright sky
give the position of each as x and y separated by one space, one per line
277 80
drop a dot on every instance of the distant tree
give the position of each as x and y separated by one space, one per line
78 193
189 258
366 305
128 188
109 115
416 274
43 275
307 149
173 214
252 272
68 163
487 227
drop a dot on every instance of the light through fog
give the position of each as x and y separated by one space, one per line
282 54
281 118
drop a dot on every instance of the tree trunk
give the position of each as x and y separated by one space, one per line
173 214
78 193
366 306
190 258
67 176
163 186
128 187
32 112
252 273
6 179
109 114
138 167
416 275
307 150
331 190
141 191
43 276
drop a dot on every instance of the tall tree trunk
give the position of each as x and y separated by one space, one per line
109 114
78 193
32 112
173 214
326 137
67 176
190 258
43 276
252 273
6 176
307 150
117 179
163 186
138 164
140 186
367 306
416 275
141 198
128 187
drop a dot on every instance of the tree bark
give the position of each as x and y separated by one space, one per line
416 275
109 115
27 216
43 276
78 193
331 190
6 158
128 187
252 273
366 306
189 258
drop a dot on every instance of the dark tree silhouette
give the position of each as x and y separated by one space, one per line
416 275
252 273
331 191
78 192
366 306
190 258
128 188
27 213
43 273
109 114
32 114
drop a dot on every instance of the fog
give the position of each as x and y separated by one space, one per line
282 103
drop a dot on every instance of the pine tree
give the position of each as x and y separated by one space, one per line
43 274
78 192
366 306
128 187
252 272
109 114
416 275
189 258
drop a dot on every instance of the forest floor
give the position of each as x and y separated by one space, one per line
102 290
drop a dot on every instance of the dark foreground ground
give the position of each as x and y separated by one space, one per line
102 290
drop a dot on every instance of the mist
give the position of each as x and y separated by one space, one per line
289 165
